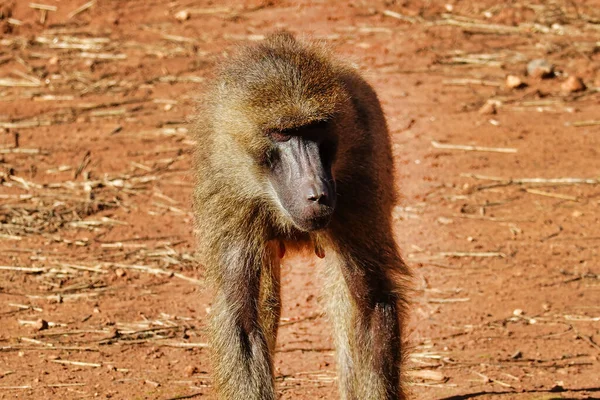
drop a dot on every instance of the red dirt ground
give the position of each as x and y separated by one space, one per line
95 201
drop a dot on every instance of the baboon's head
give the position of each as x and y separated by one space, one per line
283 102
299 164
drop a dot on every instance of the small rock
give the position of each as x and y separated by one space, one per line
40 325
182 15
576 213
518 312
111 367
119 272
113 332
444 221
58 299
558 387
488 108
540 68
514 82
573 84
190 370
518 354
152 383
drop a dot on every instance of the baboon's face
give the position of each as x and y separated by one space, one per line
300 162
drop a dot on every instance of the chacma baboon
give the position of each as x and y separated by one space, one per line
293 151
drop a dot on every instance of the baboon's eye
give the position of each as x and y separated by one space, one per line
328 150
279 136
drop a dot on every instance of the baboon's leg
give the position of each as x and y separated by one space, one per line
339 309
240 353
270 297
365 308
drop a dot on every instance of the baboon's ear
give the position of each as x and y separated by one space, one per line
282 37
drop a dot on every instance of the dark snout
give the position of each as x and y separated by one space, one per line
303 182
318 193
319 203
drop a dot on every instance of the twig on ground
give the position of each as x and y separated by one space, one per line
439 145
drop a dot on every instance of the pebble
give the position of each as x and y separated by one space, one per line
190 370
573 84
40 325
182 15
444 221
119 272
540 68
514 82
488 108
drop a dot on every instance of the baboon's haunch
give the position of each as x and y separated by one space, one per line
293 150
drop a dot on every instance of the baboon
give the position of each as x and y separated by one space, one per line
293 151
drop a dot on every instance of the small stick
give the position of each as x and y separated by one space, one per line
25 307
458 300
10 237
439 145
14 387
550 194
471 254
24 322
210 10
185 345
158 271
103 56
393 14
81 9
78 363
87 158
23 269
520 181
9 82
61 385
298 320
466 82
30 78
83 268
579 124
186 396
488 379
482 27
476 61
45 7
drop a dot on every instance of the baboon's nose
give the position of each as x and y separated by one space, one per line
318 193
315 194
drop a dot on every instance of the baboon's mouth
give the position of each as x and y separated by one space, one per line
316 221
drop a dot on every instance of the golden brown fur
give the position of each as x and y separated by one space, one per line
280 84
